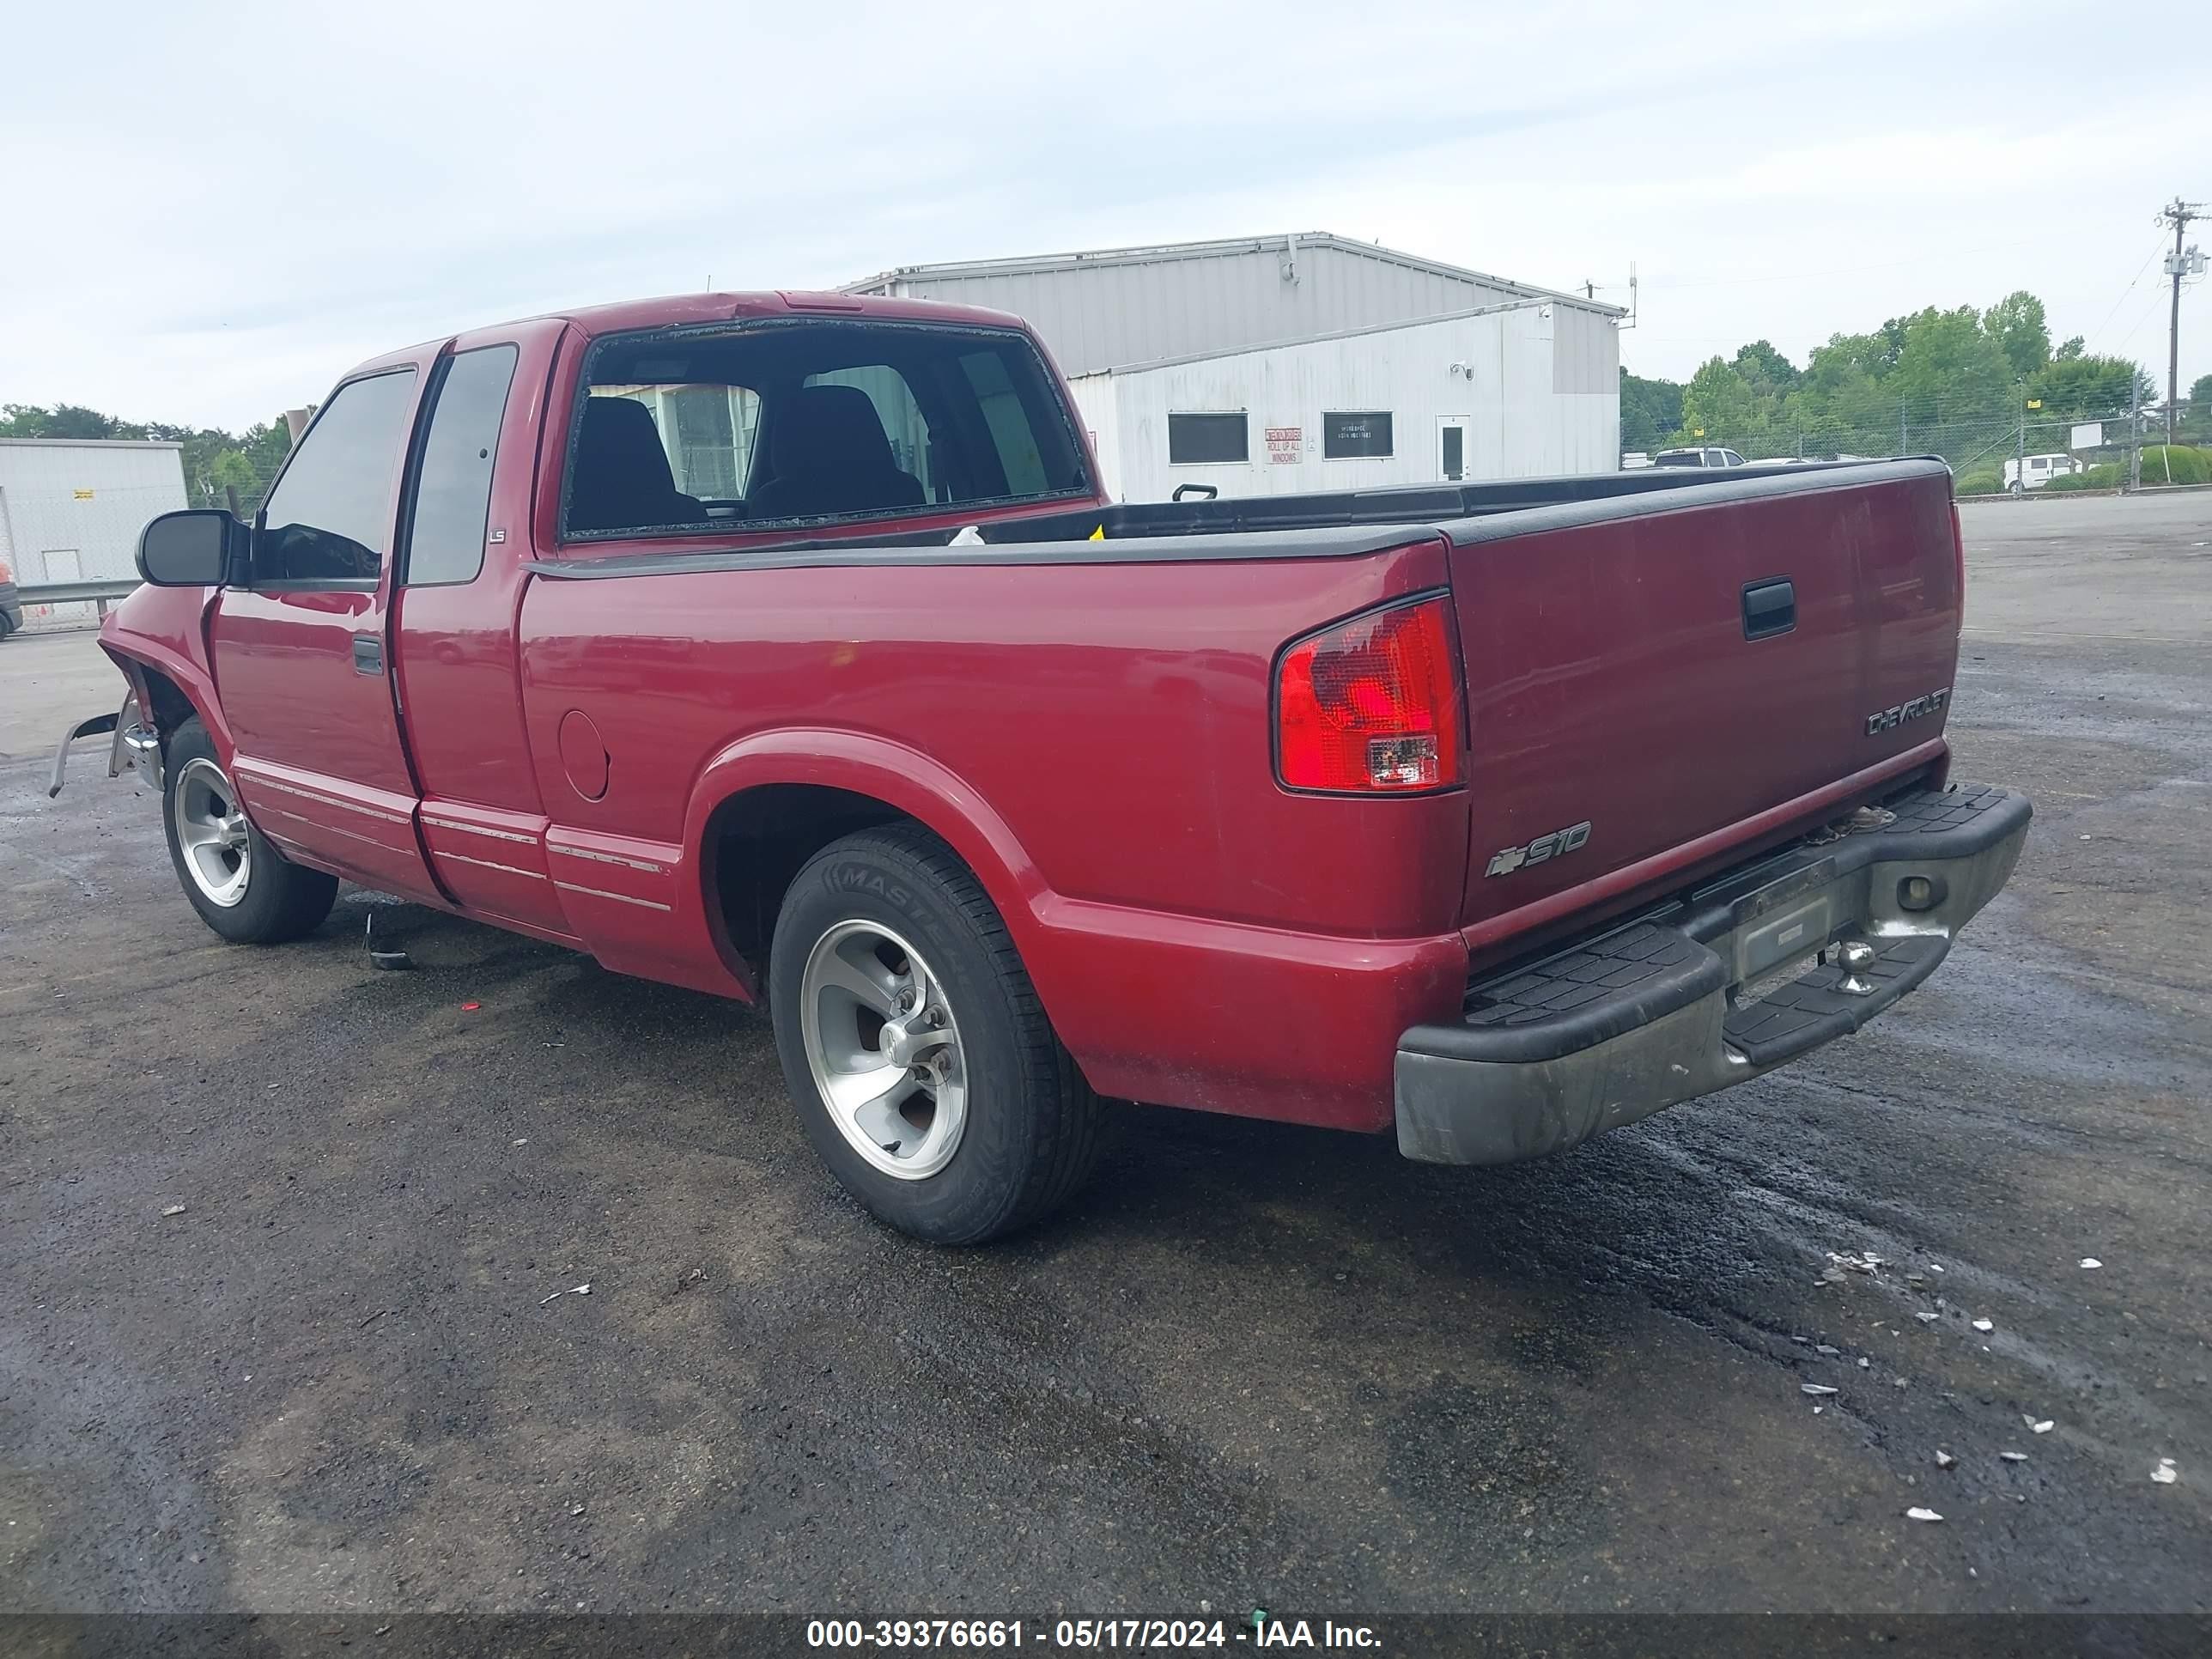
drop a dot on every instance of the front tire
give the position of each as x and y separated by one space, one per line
925 1072
241 885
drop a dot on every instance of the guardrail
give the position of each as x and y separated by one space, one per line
100 594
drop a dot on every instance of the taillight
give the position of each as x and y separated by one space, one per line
1371 705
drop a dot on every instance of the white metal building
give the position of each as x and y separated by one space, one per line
71 509
1282 364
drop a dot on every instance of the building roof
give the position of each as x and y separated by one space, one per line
92 443
1395 325
1113 307
1291 243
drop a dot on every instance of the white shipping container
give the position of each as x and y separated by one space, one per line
70 510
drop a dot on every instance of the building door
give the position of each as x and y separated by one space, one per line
1454 440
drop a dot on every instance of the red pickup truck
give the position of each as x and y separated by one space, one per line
784 648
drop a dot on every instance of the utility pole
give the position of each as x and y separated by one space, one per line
2178 214
2135 429
2019 453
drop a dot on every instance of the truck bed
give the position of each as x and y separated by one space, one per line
1615 676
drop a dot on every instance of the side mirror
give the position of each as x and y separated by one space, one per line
200 547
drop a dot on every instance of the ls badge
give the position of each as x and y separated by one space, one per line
1557 844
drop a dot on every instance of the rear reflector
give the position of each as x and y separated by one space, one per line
1371 705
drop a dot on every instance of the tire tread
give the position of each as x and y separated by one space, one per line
1073 1122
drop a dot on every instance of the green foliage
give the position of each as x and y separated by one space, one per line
2078 388
2017 326
1649 410
2180 464
2162 464
213 459
1982 481
2105 475
1953 382
1950 366
61 420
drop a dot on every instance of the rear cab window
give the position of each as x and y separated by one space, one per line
696 431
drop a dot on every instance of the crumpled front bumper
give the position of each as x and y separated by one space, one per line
1697 996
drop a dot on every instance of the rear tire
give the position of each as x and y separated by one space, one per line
242 886
923 1070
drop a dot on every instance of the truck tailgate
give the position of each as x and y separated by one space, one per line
1638 670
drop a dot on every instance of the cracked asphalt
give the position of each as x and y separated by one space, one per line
1251 1366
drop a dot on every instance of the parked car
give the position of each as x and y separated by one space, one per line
1710 457
1632 460
11 603
783 648
2040 471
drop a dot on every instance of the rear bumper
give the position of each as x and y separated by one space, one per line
1682 1001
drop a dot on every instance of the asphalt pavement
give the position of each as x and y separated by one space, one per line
292 1255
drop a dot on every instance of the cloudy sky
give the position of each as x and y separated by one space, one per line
209 217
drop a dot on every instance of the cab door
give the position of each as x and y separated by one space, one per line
460 582
301 654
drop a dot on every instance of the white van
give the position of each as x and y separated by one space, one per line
2041 469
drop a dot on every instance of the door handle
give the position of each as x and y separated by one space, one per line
1769 608
367 654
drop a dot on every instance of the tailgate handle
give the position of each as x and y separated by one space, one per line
1769 608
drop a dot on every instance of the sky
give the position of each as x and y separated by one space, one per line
207 222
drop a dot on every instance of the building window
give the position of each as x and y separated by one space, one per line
1345 436
1195 439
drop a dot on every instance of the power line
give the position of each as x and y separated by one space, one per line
2098 333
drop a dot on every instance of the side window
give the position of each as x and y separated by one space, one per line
1347 436
453 490
1729 457
330 517
1197 439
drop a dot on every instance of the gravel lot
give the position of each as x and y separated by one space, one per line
1253 1366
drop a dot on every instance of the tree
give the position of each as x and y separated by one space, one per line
1729 406
2017 323
2088 388
1649 410
61 420
212 458
1951 368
